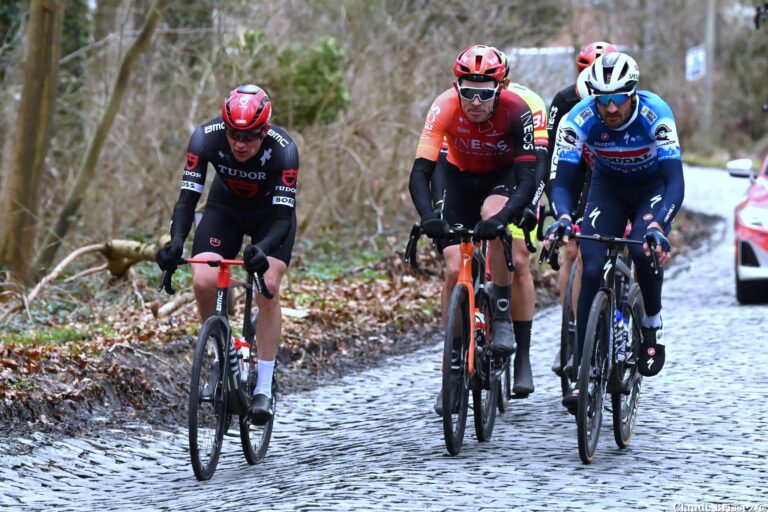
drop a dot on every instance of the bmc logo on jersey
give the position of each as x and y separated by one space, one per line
192 160
289 177
214 127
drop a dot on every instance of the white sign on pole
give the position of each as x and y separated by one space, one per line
695 63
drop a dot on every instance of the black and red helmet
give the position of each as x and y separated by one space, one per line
247 107
592 51
480 62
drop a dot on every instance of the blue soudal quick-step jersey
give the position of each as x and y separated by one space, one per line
630 155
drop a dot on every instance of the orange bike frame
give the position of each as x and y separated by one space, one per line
467 254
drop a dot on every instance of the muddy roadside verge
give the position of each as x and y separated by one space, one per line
142 377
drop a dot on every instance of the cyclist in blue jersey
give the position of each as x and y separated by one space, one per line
637 174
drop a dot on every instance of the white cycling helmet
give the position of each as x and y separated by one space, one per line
582 87
614 73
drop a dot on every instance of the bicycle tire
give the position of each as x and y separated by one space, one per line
485 382
505 386
593 376
624 407
568 333
455 372
255 438
208 416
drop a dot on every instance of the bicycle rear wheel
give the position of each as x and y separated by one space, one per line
208 417
593 376
568 363
485 382
255 438
624 407
455 376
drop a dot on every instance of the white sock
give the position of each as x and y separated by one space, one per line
264 380
652 321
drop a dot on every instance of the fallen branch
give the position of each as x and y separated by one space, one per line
138 351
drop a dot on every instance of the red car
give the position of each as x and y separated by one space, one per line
751 230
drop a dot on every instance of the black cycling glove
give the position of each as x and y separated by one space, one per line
255 260
167 257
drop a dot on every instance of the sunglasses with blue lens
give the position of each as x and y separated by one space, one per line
618 99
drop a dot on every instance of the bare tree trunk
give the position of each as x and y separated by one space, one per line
87 166
20 191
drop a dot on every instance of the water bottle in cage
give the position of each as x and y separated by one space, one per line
243 349
621 335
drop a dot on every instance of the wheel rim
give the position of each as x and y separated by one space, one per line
455 377
210 402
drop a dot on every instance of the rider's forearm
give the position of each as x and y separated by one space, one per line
418 185
542 172
564 183
672 171
281 225
183 214
526 185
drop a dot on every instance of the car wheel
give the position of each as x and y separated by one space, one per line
751 292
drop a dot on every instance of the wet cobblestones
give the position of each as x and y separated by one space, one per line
372 441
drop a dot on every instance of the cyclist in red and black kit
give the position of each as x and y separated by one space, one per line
490 175
253 193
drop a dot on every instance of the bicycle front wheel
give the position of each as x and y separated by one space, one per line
455 374
485 382
624 407
593 376
208 399
568 363
505 386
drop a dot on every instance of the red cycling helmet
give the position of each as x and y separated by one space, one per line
247 107
478 63
589 53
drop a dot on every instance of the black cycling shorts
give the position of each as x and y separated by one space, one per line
222 229
465 193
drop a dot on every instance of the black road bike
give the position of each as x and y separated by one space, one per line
219 388
611 352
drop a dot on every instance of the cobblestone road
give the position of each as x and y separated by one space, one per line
372 442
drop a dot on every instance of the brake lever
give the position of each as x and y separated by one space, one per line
506 243
410 249
261 286
651 241
166 283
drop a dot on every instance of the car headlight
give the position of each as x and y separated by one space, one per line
754 217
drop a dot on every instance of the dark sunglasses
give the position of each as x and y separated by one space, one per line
619 98
469 93
245 136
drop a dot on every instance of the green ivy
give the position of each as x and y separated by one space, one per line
305 82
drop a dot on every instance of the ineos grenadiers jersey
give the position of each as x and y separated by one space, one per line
506 139
628 156
265 183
